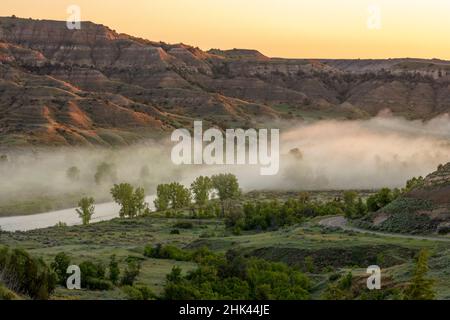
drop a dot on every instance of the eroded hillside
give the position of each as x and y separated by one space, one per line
95 86
424 209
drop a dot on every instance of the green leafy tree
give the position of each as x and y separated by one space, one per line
130 273
180 196
93 276
234 276
420 287
413 183
227 187
86 210
131 201
162 200
173 195
361 208
342 290
174 275
59 265
201 188
139 204
354 206
350 203
234 216
380 199
26 275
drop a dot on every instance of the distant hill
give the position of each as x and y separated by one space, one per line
95 86
425 209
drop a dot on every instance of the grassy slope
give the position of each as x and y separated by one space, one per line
128 237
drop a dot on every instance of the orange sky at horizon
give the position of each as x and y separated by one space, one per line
277 28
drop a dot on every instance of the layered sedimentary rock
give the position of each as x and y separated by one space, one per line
96 86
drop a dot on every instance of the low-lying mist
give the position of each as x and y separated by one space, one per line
329 154
376 153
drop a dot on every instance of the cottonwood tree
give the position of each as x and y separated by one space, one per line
354 206
162 200
86 210
227 187
180 196
380 199
201 189
173 195
131 201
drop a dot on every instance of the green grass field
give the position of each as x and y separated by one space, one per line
330 251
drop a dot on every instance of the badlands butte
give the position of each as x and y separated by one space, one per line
94 86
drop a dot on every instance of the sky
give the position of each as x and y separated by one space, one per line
277 28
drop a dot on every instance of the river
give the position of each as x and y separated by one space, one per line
103 212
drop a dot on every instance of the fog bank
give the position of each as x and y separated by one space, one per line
360 154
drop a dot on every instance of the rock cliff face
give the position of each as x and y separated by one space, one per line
441 177
96 86
436 188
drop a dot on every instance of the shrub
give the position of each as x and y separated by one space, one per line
408 205
236 277
184 225
410 223
114 270
420 287
61 224
339 290
139 292
98 284
25 274
131 272
93 276
59 265
166 252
